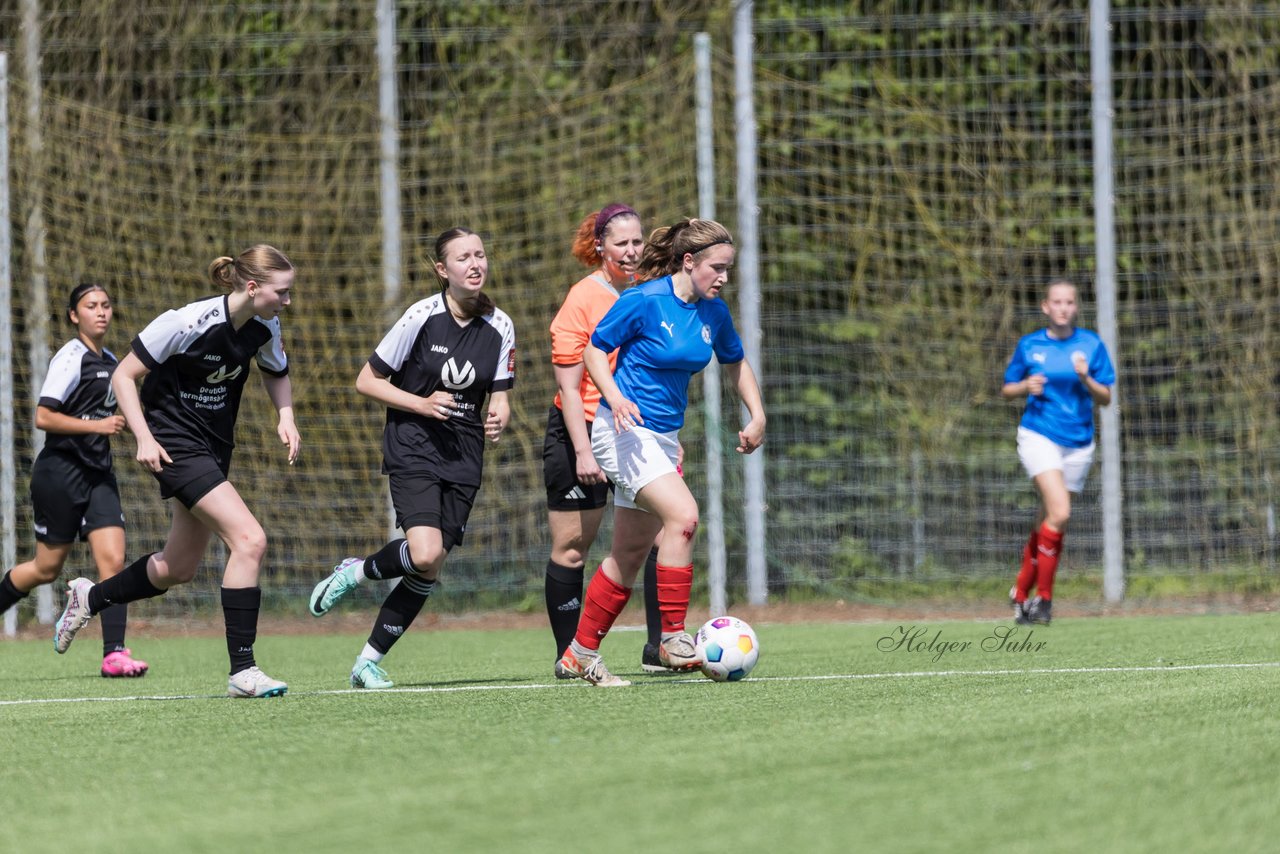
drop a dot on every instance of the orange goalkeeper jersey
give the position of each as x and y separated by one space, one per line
585 304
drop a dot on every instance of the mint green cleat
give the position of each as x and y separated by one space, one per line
367 674
339 583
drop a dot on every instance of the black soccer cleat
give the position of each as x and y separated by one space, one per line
1039 611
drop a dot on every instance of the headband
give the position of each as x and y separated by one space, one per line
610 212
708 246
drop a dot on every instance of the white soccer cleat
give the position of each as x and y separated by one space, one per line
75 616
252 683
589 668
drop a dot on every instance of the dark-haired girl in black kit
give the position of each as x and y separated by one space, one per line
73 487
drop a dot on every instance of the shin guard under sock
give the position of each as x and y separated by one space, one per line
674 586
9 594
113 620
240 606
398 611
603 603
390 561
563 594
1027 574
1049 553
129 585
652 614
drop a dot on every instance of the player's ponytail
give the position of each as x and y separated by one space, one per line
665 250
254 264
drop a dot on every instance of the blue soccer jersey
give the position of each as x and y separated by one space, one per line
662 341
1063 412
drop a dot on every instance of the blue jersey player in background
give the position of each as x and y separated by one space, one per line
1062 371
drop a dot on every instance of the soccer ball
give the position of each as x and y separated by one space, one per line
728 649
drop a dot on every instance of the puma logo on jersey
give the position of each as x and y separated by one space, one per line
222 374
457 377
670 327
1037 357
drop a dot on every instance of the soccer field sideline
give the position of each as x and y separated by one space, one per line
455 689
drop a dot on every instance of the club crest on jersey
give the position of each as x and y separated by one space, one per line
222 374
706 334
110 400
455 377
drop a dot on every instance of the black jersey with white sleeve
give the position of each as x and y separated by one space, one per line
199 363
78 384
428 350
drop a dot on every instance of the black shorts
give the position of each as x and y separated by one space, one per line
68 500
422 500
560 470
191 477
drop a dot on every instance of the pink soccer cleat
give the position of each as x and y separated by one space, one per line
122 664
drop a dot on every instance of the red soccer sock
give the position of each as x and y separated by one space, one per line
604 601
1048 553
674 586
1027 575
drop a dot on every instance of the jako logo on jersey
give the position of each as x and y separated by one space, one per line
222 374
670 327
706 334
439 348
457 377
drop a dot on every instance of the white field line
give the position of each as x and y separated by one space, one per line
534 686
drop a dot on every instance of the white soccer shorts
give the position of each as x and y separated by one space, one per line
1040 454
634 459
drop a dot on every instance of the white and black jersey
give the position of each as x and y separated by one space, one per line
427 351
199 363
79 384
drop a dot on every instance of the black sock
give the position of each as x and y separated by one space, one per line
9 595
398 611
130 585
390 561
564 602
240 608
652 614
113 620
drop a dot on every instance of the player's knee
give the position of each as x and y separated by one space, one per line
251 544
109 562
685 522
426 560
1058 518
47 573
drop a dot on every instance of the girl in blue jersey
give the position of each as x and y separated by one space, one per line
74 495
443 373
665 331
196 361
1062 371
